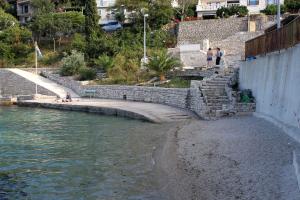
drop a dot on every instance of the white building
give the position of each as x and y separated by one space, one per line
209 7
104 10
24 11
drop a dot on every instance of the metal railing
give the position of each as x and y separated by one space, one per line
287 36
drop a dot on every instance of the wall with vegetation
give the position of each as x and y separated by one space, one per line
274 81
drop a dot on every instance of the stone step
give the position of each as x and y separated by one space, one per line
214 84
212 87
222 78
220 105
214 93
217 101
214 108
217 97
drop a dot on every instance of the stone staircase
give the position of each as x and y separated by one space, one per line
215 95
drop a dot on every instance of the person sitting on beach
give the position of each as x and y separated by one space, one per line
68 97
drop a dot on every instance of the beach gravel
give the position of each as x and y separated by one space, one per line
243 158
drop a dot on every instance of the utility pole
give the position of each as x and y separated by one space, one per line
145 39
36 64
278 15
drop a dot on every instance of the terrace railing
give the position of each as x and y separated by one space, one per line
287 36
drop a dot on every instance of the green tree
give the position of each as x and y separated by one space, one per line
7 20
6 54
42 7
56 25
292 5
162 62
78 42
184 7
160 14
91 23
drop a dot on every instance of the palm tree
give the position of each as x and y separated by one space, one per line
162 62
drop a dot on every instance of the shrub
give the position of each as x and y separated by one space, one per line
272 9
125 70
240 11
162 62
7 20
292 5
72 64
104 62
51 58
78 42
87 74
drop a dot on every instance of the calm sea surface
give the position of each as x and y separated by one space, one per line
50 154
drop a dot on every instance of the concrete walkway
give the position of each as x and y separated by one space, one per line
45 83
137 110
238 158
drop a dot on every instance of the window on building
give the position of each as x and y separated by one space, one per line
26 9
253 2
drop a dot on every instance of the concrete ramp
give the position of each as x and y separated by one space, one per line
45 83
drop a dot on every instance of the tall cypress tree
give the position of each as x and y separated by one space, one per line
91 21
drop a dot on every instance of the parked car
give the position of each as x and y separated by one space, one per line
111 26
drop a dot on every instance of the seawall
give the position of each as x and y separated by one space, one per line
183 98
274 81
12 84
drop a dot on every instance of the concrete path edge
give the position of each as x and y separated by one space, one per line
91 109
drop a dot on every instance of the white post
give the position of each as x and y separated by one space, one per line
36 65
145 39
278 15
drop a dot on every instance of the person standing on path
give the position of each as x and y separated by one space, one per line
209 58
219 56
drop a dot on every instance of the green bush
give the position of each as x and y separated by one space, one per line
51 58
78 42
272 9
7 20
87 74
72 64
240 11
104 62
292 5
125 70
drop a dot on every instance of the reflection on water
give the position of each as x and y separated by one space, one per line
48 154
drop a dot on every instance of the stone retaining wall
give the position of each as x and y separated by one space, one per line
194 32
245 108
12 84
196 99
176 97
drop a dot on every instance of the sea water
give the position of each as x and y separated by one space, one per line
49 154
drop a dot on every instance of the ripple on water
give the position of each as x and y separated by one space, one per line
48 154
